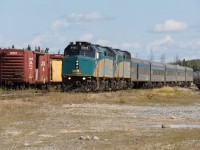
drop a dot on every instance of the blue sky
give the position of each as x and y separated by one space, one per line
169 27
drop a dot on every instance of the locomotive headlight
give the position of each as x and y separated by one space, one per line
84 78
69 78
77 64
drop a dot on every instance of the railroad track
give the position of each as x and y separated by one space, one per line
9 96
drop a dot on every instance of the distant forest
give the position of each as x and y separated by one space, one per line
194 64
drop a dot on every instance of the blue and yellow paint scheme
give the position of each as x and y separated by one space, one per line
86 63
85 66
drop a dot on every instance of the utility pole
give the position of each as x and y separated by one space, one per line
162 58
136 55
151 55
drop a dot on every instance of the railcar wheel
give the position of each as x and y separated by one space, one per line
113 85
87 87
94 86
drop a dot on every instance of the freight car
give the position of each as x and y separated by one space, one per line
93 67
197 79
21 68
56 71
56 68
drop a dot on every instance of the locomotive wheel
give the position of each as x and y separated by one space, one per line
87 87
113 85
94 86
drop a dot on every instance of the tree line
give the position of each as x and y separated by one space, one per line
194 64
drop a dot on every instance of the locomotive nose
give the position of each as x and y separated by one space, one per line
78 66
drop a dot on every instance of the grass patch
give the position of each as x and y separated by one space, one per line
162 96
121 101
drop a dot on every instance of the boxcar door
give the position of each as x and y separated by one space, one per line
40 69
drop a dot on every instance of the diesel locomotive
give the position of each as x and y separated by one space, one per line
91 67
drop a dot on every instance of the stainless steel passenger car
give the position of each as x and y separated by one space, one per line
140 72
181 74
157 72
152 74
196 76
189 75
170 74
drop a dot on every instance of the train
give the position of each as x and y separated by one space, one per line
86 67
197 79
22 68
90 67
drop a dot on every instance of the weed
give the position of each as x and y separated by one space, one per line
121 101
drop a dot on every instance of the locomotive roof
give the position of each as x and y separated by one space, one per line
81 43
122 53
107 50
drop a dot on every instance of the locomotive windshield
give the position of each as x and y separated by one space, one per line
74 50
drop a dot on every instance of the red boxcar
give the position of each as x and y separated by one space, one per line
24 67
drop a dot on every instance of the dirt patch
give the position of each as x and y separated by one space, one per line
116 120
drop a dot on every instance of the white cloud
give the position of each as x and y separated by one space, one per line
60 24
40 39
171 26
103 42
189 49
75 18
161 43
50 39
58 37
94 16
82 18
128 46
193 44
87 37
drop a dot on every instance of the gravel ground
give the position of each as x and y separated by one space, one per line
100 126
